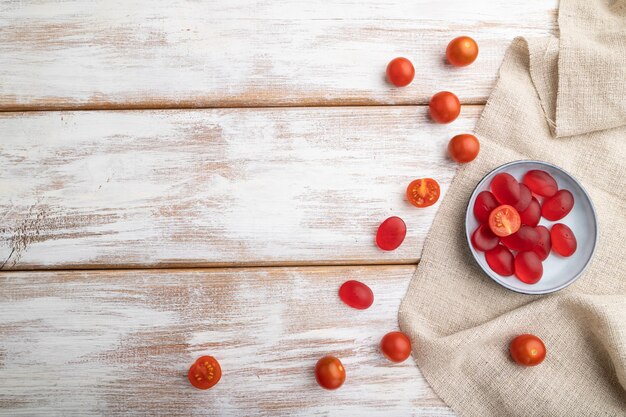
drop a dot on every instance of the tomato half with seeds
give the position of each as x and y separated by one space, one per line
504 220
444 107
527 350
396 346
423 192
205 372
330 373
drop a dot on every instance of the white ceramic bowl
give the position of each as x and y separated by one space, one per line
558 272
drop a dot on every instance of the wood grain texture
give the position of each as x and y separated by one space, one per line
120 342
68 54
216 187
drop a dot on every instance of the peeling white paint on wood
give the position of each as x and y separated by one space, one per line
216 187
120 343
167 53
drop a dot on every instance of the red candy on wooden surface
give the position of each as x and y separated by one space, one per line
484 204
544 245
356 294
528 267
557 206
505 189
500 260
532 214
524 239
391 233
540 183
563 240
525 197
483 238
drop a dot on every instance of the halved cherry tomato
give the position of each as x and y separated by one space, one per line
540 183
484 204
444 107
205 372
483 238
500 260
423 192
504 220
563 240
544 245
532 214
527 350
396 346
525 197
463 148
528 267
330 373
462 51
558 206
400 72
524 239
505 189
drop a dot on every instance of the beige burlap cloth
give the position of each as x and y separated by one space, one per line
561 100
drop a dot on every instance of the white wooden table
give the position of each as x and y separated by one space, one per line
180 178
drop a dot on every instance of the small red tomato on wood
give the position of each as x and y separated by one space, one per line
527 350
463 148
205 372
462 51
330 373
400 72
444 107
396 346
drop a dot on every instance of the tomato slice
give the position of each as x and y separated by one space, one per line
504 220
423 192
205 372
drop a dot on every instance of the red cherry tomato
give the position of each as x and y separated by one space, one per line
525 197
505 189
356 294
524 239
484 204
527 350
423 192
557 206
532 214
205 372
396 346
444 107
500 260
544 245
400 72
391 233
463 148
504 220
540 183
483 238
563 240
462 51
528 267
330 373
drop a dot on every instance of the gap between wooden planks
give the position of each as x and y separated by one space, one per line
119 342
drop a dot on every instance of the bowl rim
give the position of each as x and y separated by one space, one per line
469 212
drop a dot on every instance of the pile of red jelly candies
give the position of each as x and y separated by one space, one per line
509 232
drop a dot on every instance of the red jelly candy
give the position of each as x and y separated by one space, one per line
557 206
528 267
524 239
356 294
544 245
500 260
391 233
525 197
540 183
483 238
505 188
485 202
563 240
532 214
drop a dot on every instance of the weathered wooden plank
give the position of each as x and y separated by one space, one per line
120 342
68 54
215 187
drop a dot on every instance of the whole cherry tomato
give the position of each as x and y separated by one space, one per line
540 183
484 204
423 192
528 267
205 372
462 51
500 260
563 240
330 373
463 148
505 189
444 107
527 350
558 206
504 220
396 346
400 72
